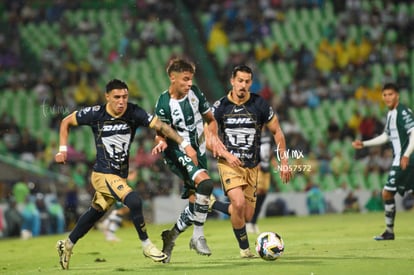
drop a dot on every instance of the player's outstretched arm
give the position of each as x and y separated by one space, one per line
66 123
379 140
166 130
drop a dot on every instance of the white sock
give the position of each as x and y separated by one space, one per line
198 231
69 244
146 242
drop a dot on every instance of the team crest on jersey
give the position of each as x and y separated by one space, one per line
194 103
117 146
216 104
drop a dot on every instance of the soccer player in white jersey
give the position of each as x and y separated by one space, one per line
399 130
185 108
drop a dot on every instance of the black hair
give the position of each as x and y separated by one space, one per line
115 84
391 86
241 68
180 65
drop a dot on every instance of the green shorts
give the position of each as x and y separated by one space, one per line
400 180
181 165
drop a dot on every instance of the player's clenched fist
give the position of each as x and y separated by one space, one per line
61 157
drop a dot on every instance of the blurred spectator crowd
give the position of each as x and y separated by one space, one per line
364 44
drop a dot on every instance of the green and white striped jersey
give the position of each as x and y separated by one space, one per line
185 116
400 122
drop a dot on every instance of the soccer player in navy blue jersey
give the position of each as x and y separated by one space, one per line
113 125
241 115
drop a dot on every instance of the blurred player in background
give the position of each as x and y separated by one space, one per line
241 115
114 220
185 108
114 125
399 130
264 178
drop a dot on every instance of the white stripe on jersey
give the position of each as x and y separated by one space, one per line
394 136
182 114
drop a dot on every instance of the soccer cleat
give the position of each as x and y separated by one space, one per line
167 244
386 236
154 253
200 246
211 202
246 253
64 254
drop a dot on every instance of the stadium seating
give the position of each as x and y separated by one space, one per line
328 182
300 26
138 72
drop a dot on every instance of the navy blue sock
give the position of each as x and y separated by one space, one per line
241 237
85 223
134 203
223 207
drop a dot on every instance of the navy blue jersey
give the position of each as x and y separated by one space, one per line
266 143
113 136
240 126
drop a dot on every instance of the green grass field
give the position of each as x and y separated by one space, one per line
329 244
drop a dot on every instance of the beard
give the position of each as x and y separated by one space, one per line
241 94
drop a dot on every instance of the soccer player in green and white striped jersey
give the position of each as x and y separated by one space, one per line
399 130
185 108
